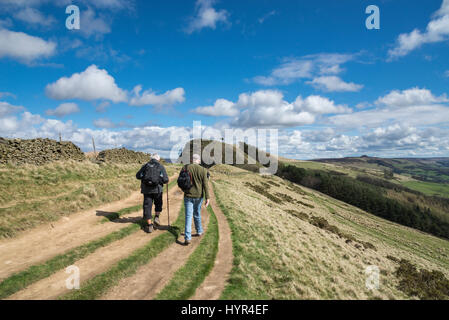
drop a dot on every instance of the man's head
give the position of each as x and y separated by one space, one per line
196 159
156 157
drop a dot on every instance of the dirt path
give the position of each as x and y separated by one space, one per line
99 261
215 282
153 277
47 241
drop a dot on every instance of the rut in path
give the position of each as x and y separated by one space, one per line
46 241
99 261
215 282
151 278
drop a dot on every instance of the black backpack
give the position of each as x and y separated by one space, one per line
185 179
152 174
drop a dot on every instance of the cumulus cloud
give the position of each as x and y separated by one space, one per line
410 97
23 47
63 110
91 84
334 84
222 107
320 105
206 16
148 97
321 68
446 73
417 107
437 30
268 108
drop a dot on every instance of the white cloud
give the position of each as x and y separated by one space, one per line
63 109
93 25
410 97
267 108
222 107
416 107
206 16
23 47
91 84
446 73
320 105
102 107
8 109
437 31
149 97
34 17
322 68
104 123
334 84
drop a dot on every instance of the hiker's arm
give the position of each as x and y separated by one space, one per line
164 175
206 186
139 174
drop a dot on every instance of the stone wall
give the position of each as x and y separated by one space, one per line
37 151
123 155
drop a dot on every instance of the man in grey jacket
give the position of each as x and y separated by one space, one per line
152 193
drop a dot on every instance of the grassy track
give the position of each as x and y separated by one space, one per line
23 279
190 276
100 284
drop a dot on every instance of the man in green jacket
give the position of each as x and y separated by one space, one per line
193 198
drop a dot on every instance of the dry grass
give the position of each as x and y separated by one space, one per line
280 254
32 195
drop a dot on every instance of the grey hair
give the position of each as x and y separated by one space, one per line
196 158
155 156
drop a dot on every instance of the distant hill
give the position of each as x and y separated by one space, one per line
423 169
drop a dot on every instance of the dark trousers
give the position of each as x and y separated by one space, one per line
148 204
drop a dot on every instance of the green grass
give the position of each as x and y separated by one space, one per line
428 188
237 288
189 277
33 195
100 284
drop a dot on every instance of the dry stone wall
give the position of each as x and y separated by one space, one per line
37 151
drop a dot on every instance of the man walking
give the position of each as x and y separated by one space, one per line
193 197
152 176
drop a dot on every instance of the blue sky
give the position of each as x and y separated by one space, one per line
139 71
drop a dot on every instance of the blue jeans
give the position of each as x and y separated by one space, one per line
193 208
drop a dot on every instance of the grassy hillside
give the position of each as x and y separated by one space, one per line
291 242
31 195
